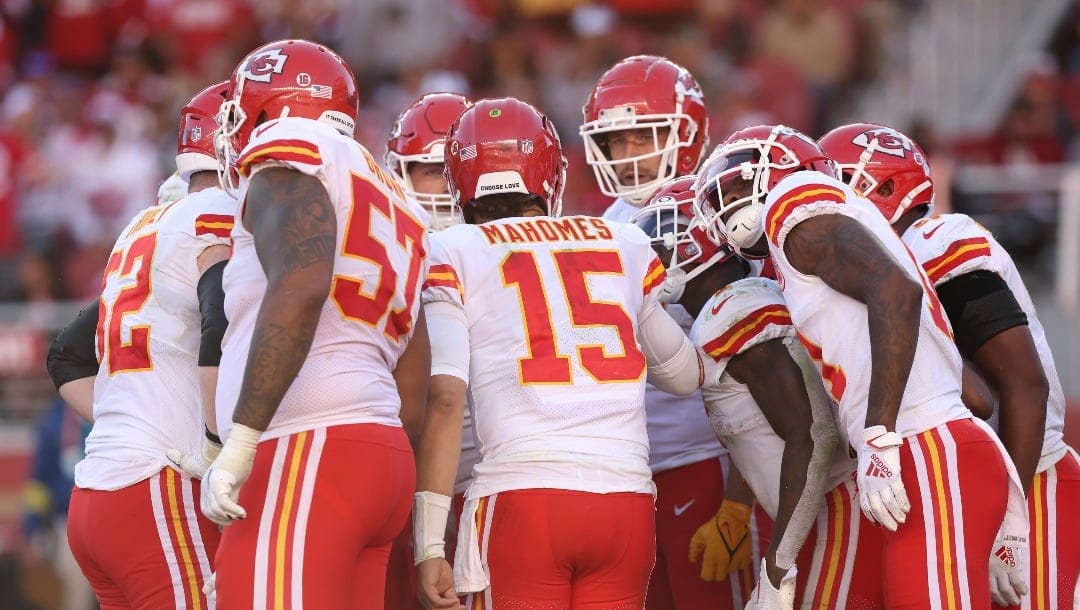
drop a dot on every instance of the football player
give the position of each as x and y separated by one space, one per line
414 155
869 317
538 318
163 279
326 354
997 329
645 123
742 322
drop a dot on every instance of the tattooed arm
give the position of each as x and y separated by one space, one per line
849 259
295 229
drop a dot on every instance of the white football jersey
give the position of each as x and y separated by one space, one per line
556 377
368 318
146 394
677 425
833 327
951 245
744 314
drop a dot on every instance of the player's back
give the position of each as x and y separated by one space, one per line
833 327
951 245
146 394
369 316
555 373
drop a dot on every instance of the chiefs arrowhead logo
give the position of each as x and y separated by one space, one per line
264 65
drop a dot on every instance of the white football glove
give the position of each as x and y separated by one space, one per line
1008 561
195 465
210 590
882 496
227 473
768 597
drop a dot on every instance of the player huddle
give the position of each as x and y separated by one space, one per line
759 379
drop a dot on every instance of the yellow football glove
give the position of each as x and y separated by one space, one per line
724 541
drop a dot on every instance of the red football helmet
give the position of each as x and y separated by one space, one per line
419 136
643 92
294 78
752 159
195 137
883 165
504 146
668 219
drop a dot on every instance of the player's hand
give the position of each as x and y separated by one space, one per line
227 473
1008 567
195 466
881 491
435 583
723 541
768 596
210 590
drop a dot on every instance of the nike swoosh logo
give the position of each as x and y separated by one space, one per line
927 234
679 510
716 308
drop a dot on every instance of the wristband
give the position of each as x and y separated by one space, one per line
430 511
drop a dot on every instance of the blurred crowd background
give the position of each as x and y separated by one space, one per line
90 92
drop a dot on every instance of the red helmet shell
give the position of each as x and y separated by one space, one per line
868 156
504 145
195 135
294 78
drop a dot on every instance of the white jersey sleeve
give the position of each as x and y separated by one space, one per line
739 316
804 197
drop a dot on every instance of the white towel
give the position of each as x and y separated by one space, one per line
470 572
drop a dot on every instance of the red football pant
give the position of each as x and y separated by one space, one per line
1054 540
840 562
322 506
551 549
146 546
687 497
956 481
401 588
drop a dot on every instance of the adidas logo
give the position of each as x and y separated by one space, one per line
1005 554
877 468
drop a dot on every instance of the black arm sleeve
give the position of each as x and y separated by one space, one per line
979 305
72 354
212 307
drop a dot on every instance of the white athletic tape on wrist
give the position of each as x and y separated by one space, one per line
430 511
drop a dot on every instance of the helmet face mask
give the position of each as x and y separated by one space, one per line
287 78
678 237
418 137
644 93
736 179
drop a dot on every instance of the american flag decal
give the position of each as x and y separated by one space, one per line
469 152
321 91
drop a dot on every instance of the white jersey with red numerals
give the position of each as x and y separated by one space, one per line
952 245
834 327
744 314
677 425
556 377
146 394
374 299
